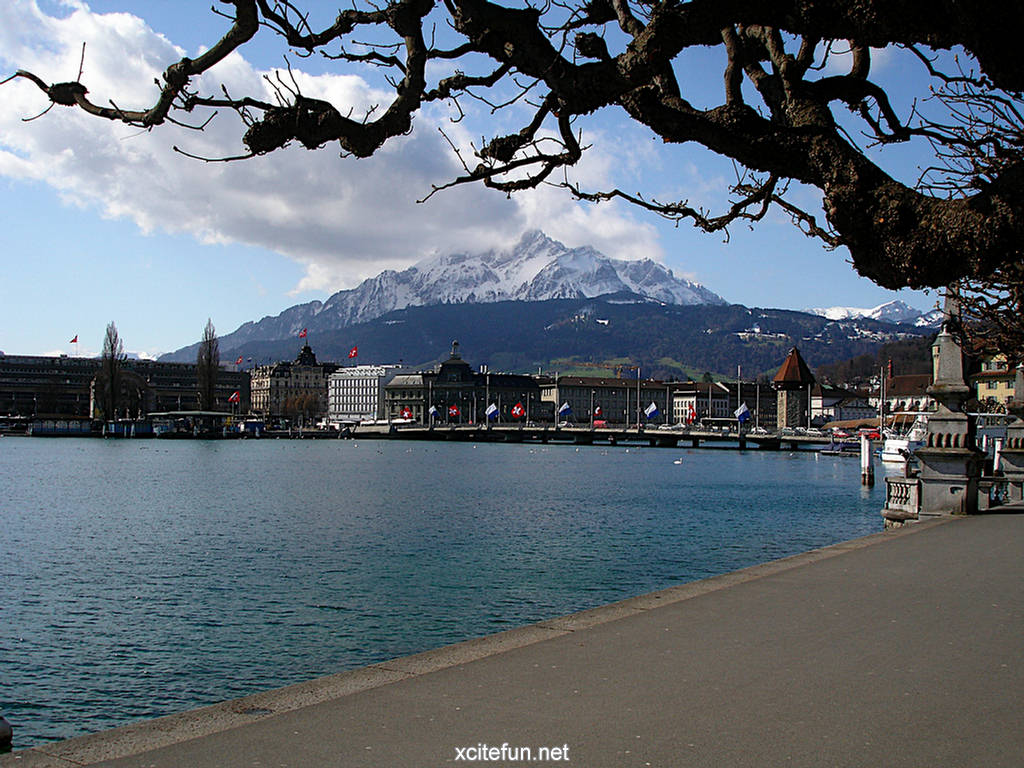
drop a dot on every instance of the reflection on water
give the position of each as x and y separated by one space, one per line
143 578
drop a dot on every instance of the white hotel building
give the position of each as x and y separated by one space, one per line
356 394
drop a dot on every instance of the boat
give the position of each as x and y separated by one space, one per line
898 447
186 425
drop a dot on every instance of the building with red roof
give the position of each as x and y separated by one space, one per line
792 386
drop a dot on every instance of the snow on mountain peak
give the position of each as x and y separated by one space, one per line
895 311
537 268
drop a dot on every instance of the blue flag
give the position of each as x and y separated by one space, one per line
492 411
565 410
651 411
742 413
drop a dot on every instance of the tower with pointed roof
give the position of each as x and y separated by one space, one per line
792 386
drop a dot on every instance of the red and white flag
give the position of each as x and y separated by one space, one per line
353 352
407 412
74 340
518 411
453 410
239 360
235 397
302 333
597 411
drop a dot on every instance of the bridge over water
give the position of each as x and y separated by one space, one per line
657 438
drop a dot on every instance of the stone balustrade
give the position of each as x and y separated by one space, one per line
902 501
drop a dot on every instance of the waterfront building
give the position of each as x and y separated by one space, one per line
906 392
459 395
612 400
698 402
294 390
993 383
837 404
356 393
66 386
149 385
792 385
33 385
716 403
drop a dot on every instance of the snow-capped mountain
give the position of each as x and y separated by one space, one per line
537 268
891 312
931 319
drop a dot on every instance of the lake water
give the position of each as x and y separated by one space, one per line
141 578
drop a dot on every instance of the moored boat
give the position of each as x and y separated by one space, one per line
898 447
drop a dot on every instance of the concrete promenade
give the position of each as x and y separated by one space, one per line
898 649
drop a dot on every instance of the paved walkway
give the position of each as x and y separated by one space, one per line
900 649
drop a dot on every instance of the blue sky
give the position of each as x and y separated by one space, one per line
102 222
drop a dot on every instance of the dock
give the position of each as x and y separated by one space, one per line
898 649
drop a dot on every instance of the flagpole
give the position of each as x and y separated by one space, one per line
739 397
638 399
881 399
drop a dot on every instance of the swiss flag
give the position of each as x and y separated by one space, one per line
407 412
597 411
74 340
235 397
302 333
239 360
518 411
453 410
353 352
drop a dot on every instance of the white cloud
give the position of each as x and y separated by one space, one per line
343 219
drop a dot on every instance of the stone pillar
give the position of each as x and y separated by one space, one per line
950 463
1012 454
1012 460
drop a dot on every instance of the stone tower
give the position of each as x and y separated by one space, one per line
792 386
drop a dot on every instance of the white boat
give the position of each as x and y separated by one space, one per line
898 447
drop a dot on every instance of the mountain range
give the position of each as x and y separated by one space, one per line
891 312
541 304
537 268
